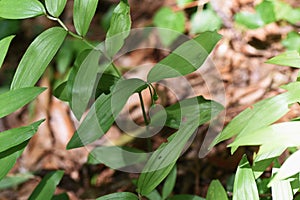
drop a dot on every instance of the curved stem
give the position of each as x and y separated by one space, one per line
143 109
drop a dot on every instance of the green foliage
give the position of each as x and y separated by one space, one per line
292 41
55 7
289 58
14 180
119 196
46 187
216 191
4 44
169 183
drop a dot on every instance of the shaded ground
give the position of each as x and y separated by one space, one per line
239 57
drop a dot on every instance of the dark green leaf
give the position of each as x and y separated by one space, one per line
216 191
185 197
106 82
187 58
4 45
119 28
14 180
55 7
37 57
206 20
16 136
61 92
12 100
172 24
292 42
260 115
63 196
9 27
289 58
9 161
119 196
21 9
83 13
244 182
169 183
103 113
46 187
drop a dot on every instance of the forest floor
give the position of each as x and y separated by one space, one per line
244 78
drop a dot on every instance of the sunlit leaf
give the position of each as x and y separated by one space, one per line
37 57
289 58
172 24
260 115
244 182
292 41
83 13
266 11
21 9
4 45
250 20
216 191
12 100
55 7
281 189
47 186
14 180
118 31
187 58
119 196
169 183
16 136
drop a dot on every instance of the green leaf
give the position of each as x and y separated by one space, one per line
14 180
249 20
118 31
281 189
182 3
172 24
266 11
21 9
289 168
244 182
292 41
37 57
4 45
185 197
55 7
47 186
103 112
284 11
12 100
106 83
187 58
260 115
206 20
83 13
216 191
9 27
154 195
119 196
169 183
289 58
62 196
16 136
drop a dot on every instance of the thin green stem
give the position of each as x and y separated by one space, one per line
116 69
143 109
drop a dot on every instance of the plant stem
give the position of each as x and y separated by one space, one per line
143 108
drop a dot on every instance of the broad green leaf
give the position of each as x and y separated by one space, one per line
154 195
16 136
14 180
37 57
103 113
185 197
187 58
244 182
55 7
207 20
172 24
47 186
21 9
83 13
292 41
281 189
118 31
260 115
4 44
295 184
119 196
118 158
284 11
62 196
266 11
289 168
169 183
289 58
249 20
216 191
12 100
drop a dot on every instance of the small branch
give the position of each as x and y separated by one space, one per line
143 108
